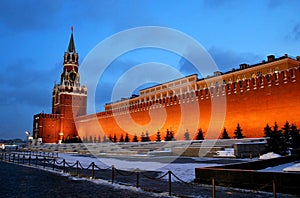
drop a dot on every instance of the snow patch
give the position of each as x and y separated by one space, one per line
293 168
270 155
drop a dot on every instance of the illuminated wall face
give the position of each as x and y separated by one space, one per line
273 95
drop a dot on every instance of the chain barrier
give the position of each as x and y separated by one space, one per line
71 166
102 169
264 186
154 178
80 165
91 164
124 174
11 157
59 163
180 179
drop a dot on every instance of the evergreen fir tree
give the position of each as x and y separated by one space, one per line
135 138
143 137
267 131
286 130
158 139
91 139
147 138
99 139
200 135
115 138
95 140
169 135
110 138
121 138
127 138
295 137
225 134
238 132
187 135
276 142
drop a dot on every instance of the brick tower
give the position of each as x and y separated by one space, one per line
69 100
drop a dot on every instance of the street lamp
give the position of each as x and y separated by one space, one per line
28 136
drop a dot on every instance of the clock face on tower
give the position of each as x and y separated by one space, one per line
72 76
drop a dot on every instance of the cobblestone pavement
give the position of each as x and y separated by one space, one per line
20 181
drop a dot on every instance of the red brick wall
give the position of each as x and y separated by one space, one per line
48 126
251 106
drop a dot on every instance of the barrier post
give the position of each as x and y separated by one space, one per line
44 161
23 159
112 174
274 189
36 160
18 158
137 177
29 160
170 183
213 187
64 165
9 157
13 158
77 167
53 164
93 170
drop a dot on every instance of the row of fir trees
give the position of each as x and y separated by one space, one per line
168 137
280 140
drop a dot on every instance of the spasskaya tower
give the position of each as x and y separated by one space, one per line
69 100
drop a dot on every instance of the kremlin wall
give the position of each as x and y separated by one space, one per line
252 95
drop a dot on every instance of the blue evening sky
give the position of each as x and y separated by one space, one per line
34 35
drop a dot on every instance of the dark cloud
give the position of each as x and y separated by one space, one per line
22 16
26 90
274 4
26 85
224 59
295 33
187 68
230 59
108 80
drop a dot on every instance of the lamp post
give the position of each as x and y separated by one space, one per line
28 136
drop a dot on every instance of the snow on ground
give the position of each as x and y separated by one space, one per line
185 171
120 186
293 168
278 168
269 156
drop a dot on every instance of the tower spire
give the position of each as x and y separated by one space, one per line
71 47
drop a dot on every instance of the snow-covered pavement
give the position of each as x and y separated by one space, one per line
185 171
